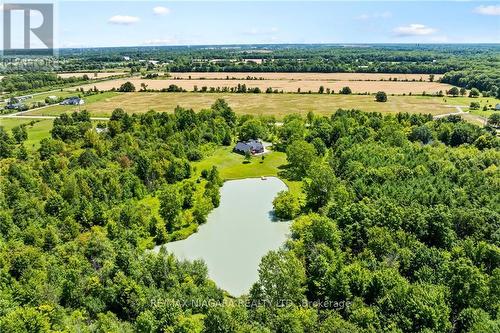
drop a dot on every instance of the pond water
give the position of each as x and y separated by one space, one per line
237 234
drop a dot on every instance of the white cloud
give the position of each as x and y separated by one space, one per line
382 15
159 10
256 32
414 30
123 19
493 10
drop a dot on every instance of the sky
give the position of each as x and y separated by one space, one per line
140 23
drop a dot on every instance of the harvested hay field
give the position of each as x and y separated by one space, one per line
305 76
91 75
278 105
390 87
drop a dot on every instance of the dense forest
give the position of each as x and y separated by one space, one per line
33 81
370 58
469 66
398 228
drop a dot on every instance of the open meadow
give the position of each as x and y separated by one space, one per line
278 105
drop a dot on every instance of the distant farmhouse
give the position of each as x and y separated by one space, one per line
73 101
14 106
251 146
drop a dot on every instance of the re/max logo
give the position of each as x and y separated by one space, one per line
21 21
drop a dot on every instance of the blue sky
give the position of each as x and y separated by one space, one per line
131 23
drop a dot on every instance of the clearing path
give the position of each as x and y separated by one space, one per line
467 115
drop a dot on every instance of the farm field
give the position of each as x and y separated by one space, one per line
390 87
91 75
278 105
304 76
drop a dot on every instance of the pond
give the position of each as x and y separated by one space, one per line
237 234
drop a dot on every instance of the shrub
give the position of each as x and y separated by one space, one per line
345 91
286 205
381 97
475 105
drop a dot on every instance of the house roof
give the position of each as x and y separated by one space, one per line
251 145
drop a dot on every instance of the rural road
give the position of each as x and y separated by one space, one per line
460 111
22 115
43 117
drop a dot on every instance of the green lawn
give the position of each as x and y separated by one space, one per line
37 129
484 114
465 101
234 166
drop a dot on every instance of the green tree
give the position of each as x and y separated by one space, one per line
475 106
421 133
286 205
19 133
319 185
170 206
281 280
252 129
300 155
345 91
494 119
127 87
381 96
292 130
474 92
453 92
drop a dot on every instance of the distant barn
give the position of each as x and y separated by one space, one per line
251 146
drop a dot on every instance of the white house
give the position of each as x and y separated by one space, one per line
73 101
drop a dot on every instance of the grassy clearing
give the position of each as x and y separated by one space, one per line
465 101
233 166
484 114
37 129
490 102
278 105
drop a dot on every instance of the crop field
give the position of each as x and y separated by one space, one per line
390 87
278 105
91 75
304 76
